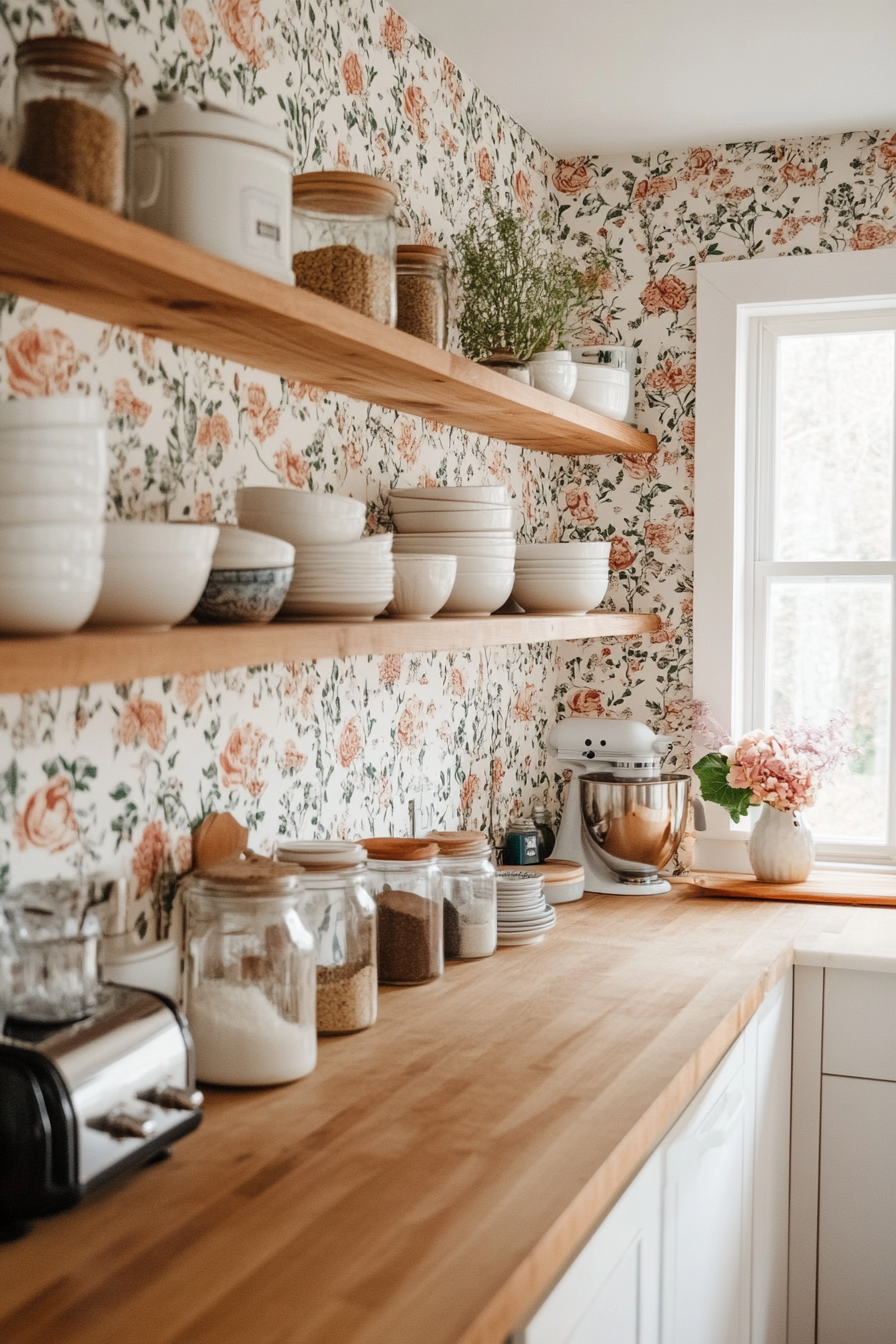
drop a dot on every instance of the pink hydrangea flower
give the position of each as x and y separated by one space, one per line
777 774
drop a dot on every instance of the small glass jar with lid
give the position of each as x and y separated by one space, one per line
73 118
469 893
51 950
250 974
341 914
343 240
404 879
522 843
422 281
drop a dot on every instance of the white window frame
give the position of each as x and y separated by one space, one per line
732 298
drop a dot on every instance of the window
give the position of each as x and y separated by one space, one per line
795 538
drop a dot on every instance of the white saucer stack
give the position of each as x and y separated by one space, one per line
352 581
523 914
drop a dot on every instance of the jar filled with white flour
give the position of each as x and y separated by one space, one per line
250 975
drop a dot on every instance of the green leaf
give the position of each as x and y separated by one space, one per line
712 772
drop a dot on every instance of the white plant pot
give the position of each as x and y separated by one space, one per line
781 846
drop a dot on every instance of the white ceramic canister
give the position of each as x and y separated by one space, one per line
218 180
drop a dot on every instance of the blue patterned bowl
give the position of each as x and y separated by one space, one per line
242 595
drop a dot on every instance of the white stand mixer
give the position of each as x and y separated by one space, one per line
623 819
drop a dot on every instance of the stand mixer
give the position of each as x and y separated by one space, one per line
623 819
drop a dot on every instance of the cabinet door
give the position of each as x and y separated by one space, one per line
706 1204
857 1212
771 1165
610 1293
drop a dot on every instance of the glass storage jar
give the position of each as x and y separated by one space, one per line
522 843
343 240
469 894
422 283
405 882
341 914
250 974
73 118
52 950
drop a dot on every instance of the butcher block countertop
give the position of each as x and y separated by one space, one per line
432 1178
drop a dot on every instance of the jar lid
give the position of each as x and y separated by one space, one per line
254 877
52 54
560 870
321 854
420 254
393 848
344 193
458 843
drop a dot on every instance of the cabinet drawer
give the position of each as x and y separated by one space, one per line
860 1024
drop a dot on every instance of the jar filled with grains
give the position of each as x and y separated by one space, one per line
469 893
405 882
341 914
250 974
343 240
422 279
73 118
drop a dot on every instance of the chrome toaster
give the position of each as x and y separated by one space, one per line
83 1101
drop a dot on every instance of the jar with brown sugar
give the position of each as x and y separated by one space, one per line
422 281
73 118
343 240
404 879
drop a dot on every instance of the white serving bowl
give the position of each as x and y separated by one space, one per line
53 538
484 564
602 389
155 573
36 508
568 596
568 549
46 606
30 412
462 520
480 494
79 569
304 530
478 594
240 548
37 478
456 543
423 585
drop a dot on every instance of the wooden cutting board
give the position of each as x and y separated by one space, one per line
820 888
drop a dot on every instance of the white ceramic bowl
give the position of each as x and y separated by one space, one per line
558 378
239 548
53 538
568 549
304 529
456 543
484 564
567 596
155 573
602 389
41 478
79 569
46 606
423 584
80 448
481 494
29 412
71 508
478 594
443 505
283 501
464 520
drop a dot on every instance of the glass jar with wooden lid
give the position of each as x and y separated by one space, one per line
343 240
469 893
341 914
405 882
422 281
73 118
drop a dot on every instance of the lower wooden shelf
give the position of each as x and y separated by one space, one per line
124 653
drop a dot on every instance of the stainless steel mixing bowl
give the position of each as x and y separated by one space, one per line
636 825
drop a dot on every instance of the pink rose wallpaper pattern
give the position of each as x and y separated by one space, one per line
113 777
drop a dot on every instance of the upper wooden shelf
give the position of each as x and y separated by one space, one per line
126 653
60 251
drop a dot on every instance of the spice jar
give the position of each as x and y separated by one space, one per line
405 882
341 914
422 281
469 893
522 843
343 240
73 118
250 974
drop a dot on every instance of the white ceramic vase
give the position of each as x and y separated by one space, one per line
781 847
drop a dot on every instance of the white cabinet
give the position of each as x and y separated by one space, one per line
773 1026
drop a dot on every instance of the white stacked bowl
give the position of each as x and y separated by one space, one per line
154 573
567 578
53 475
348 582
301 517
473 523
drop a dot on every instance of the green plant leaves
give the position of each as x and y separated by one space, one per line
712 772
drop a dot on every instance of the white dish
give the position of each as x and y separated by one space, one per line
482 494
423 584
497 544
36 478
559 595
550 357
240 548
28 412
540 549
53 538
155 573
556 378
358 547
132 538
462 520
519 939
602 389
478 594
45 606
359 610
302 530
484 564
280 499
31 446
16 510
401 505
35 565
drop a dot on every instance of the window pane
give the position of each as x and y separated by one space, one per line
829 650
834 451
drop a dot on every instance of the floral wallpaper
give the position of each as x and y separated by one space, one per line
112 778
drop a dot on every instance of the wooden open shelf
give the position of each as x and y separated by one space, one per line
126 653
59 250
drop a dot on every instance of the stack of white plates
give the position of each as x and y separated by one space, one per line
53 475
473 522
353 582
564 578
523 914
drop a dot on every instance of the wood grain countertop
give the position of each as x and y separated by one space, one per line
433 1176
